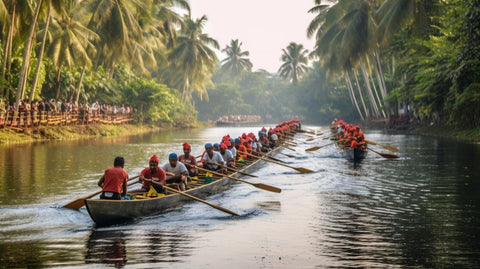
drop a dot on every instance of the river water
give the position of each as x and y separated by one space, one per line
421 210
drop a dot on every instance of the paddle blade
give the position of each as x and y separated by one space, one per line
388 156
303 170
390 148
313 148
267 187
310 139
77 204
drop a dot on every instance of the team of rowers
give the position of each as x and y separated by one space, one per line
349 135
178 170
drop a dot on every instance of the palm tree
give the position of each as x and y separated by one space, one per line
192 60
295 63
72 41
117 24
235 63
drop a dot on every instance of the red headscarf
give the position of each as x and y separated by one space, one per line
186 146
154 159
223 146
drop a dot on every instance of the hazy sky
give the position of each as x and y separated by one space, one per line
265 27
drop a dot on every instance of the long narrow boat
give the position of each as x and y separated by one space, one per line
109 212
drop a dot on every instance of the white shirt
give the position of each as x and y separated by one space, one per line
179 169
227 155
216 157
233 150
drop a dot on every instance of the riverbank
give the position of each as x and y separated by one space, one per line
468 135
46 133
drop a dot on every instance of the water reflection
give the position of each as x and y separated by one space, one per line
148 245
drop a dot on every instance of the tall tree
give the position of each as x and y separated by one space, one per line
71 41
192 60
235 64
295 63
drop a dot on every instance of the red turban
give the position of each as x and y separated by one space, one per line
223 146
154 159
186 146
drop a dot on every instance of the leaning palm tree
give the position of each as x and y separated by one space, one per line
235 63
295 63
192 60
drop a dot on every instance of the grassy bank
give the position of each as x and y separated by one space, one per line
44 133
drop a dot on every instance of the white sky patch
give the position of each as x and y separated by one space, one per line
264 27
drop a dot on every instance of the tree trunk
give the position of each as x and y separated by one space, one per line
58 83
367 112
40 56
352 94
80 81
383 88
26 57
7 59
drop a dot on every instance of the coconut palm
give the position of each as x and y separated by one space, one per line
71 41
236 63
117 24
295 63
192 60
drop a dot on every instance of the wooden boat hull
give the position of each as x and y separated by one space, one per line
355 155
110 212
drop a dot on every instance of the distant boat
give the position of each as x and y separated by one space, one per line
238 120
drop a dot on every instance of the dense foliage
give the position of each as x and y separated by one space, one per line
372 59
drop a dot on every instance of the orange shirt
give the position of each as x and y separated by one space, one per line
241 149
114 178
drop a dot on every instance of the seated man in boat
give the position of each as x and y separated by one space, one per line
179 170
188 160
114 181
227 155
240 148
213 160
230 147
153 176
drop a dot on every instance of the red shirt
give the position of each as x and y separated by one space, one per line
114 178
187 161
159 173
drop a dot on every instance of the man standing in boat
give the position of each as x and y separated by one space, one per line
153 176
114 181
178 169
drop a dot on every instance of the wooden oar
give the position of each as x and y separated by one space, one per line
200 200
233 169
257 185
319 147
299 169
384 146
81 201
385 155
288 155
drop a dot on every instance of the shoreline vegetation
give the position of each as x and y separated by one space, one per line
53 133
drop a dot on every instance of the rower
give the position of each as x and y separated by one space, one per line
153 176
189 160
227 155
211 157
114 181
179 170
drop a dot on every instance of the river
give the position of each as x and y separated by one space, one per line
421 210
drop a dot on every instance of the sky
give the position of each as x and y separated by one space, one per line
264 27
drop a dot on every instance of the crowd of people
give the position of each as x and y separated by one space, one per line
64 106
176 173
239 118
349 135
